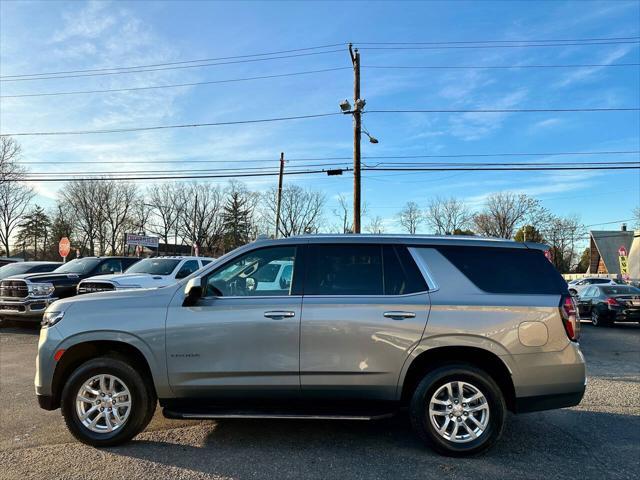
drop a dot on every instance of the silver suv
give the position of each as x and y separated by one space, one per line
455 330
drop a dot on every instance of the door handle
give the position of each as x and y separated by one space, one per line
399 315
277 315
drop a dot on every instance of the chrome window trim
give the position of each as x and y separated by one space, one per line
424 269
236 297
422 292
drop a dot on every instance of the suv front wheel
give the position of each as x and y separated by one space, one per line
458 410
106 402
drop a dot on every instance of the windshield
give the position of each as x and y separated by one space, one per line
79 266
154 266
621 290
13 269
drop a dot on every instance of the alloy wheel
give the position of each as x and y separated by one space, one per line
459 412
103 403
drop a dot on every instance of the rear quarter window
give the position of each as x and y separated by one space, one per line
506 270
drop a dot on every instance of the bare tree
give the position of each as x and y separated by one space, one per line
15 196
448 215
636 217
505 212
410 217
343 212
563 234
165 199
200 221
84 198
300 210
375 225
117 205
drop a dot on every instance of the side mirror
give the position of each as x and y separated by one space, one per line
192 292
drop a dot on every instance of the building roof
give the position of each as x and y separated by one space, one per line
608 242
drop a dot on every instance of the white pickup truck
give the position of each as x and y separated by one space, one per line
147 273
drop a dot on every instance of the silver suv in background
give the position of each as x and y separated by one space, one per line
456 330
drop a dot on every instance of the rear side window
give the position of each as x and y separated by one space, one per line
401 275
506 270
343 269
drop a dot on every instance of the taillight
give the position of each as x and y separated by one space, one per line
613 302
569 316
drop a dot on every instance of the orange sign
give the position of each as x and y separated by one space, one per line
64 247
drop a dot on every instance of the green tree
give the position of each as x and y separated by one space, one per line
585 260
34 232
236 219
460 231
528 233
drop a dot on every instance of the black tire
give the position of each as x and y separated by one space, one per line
419 408
143 401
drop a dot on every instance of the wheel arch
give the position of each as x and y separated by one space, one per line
78 353
432 358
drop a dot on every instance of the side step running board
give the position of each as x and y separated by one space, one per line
221 414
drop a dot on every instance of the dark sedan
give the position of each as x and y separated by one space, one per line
18 268
610 303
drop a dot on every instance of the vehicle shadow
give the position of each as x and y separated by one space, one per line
565 443
26 328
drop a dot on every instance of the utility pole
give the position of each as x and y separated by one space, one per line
194 247
357 132
279 194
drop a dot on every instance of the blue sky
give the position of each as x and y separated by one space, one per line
55 36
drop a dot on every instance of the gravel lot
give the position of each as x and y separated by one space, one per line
598 439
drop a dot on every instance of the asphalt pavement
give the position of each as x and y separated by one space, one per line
600 438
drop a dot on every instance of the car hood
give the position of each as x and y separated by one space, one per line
45 277
134 279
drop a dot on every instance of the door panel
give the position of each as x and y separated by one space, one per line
237 340
229 344
350 348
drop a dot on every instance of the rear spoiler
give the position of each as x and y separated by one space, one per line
537 246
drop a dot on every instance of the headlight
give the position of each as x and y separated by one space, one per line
49 319
41 289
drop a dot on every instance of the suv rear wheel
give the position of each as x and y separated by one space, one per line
458 410
106 402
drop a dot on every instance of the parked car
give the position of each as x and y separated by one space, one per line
26 297
147 273
578 285
12 269
606 304
368 325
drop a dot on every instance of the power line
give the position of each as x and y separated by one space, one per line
501 41
182 62
300 117
164 127
447 47
192 84
545 168
183 176
505 67
573 166
178 67
317 159
507 110
306 49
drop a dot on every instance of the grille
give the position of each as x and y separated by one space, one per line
14 289
92 287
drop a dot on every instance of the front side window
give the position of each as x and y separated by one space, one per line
154 266
80 266
344 269
600 281
187 269
112 265
253 274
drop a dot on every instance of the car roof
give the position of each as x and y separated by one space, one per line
183 257
459 240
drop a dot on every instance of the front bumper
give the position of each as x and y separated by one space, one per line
28 308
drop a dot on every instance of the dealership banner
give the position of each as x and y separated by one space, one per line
142 240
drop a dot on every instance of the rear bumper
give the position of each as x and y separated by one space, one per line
548 402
